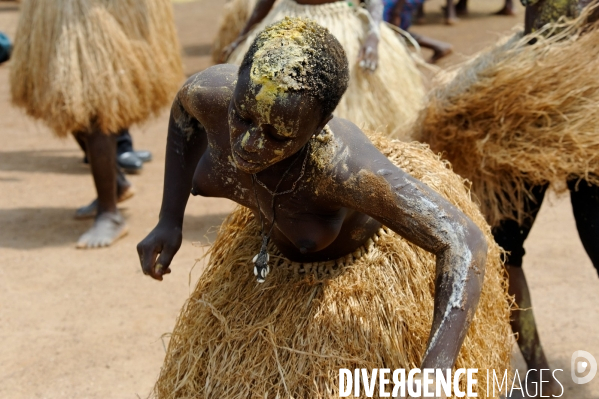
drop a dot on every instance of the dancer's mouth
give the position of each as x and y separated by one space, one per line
245 164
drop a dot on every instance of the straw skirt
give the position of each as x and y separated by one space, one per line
289 336
519 115
384 100
106 63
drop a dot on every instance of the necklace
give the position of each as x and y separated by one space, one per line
261 267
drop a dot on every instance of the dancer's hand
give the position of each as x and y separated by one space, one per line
162 242
369 55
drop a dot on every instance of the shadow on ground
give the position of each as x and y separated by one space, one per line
31 228
197 50
202 229
45 161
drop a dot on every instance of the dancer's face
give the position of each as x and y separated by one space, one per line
269 126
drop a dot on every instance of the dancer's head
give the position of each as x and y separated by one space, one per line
289 83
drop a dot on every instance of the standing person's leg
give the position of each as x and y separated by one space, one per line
461 8
511 236
420 14
585 205
450 13
109 224
124 141
127 158
124 191
508 9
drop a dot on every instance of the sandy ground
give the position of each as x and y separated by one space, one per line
88 324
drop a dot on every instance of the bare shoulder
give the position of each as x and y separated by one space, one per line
350 150
209 90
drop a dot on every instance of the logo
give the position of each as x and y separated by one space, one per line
583 363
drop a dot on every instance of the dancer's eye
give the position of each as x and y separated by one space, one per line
273 133
240 116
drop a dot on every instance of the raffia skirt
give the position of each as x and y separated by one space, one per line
289 336
106 63
384 100
234 17
519 115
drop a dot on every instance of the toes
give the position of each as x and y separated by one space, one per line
102 234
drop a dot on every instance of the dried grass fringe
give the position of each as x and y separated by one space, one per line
108 62
385 100
520 114
288 337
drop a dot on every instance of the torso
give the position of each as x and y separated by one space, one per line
309 216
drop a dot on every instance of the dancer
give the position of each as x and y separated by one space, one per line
385 87
313 189
113 64
516 119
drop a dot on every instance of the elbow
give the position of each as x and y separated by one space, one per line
476 242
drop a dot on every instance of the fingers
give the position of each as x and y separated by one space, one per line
368 64
147 256
368 58
163 263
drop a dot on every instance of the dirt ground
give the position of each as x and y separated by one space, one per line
88 324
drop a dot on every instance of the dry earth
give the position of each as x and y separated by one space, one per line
88 324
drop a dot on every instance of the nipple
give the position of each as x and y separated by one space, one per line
306 246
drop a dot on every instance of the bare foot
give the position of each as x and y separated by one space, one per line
107 228
451 17
439 53
90 210
452 20
509 11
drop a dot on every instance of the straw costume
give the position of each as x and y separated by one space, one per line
233 19
384 100
110 62
519 116
515 119
289 336
93 68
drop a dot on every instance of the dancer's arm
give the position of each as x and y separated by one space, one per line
369 55
370 183
186 142
261 10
